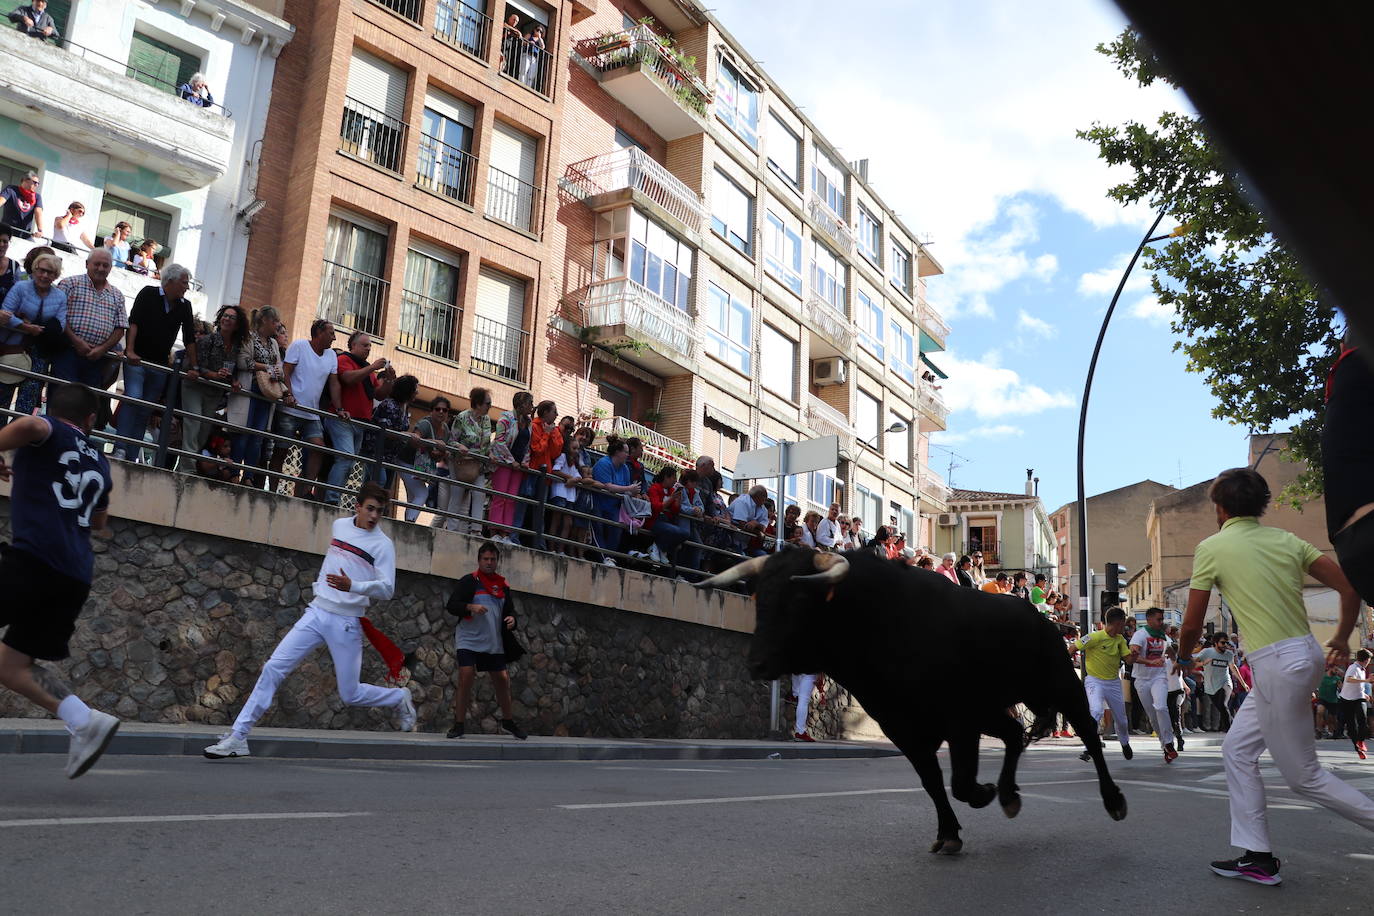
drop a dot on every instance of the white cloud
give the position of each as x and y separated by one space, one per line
990 391
998 431
1045 267
1152 310
1102 282
992 260
1027 322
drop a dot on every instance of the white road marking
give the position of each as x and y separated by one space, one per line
1058 782
1172 787
1363 856
180 818
669 769
671 802
1052 798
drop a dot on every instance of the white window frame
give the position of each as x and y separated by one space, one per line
903 342
782 251
733 352
769 360
736 117
722 184
899 273
874 438
868 224
865 309
778 133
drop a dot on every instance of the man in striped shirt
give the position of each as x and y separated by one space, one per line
96 319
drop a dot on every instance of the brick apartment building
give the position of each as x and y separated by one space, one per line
636 223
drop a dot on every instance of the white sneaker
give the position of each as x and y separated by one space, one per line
608 562
89 742
656 555
230 745
405 713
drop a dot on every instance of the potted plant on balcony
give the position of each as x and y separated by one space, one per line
653 417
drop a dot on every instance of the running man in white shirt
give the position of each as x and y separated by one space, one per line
363 561
1354 714
1149 648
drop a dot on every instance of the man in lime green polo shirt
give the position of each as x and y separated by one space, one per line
1103 652
1260 572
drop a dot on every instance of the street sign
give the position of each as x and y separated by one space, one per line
802 457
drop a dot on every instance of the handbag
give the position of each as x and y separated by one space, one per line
637 506
268 387
510 646
465 470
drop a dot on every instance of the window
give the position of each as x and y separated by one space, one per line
737 103
899 444
724 443
373 125
620 399
822 489
827 180
870 509
522 60
59 10
784 150
625 141
728 329
783 252
352 291
870 237
512 197
868 416
868 315
429 314
901 267
659 261
827 275
446 164
462 24
12 172
982 535
732 213
906 523
498 330
777 363
147 223
903 352
160 65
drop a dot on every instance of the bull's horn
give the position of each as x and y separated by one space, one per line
833 568
746 570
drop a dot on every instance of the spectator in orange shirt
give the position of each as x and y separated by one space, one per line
999 586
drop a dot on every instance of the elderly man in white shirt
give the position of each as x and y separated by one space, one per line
828 533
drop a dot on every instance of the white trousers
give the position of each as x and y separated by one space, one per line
1107 693
464 500
417 491
344 637
802 685
1278 716
1154 693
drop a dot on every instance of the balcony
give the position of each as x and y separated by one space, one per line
500 350
465 27
372 136
525 63
351 299
934 412
633 176
410 9
934 490
91 102
827 420
658 448
446 170
640 326
831 324
640 72
830 223
513 201
932 323
429 325
126 281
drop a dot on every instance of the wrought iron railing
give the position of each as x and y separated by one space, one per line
142 76
353 300
525 62
372 135
616 302
639 45
633 168
830 223
831 323
410 9
512 201
931 402
445 169
499 349
429 325
466 28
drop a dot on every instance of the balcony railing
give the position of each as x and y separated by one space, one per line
372 135
429 325
499 349
931 402
992 554
637 170
934 488
832 225
512 201
658 448
410 9
639 45
352 299
445 169
831 324
625 302
827 420
933 322
466 28
525 62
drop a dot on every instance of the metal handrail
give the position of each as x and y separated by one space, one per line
635 169
465 27
429 325
445 169
829 321
134 73
640 45
512 200
372 135
623 301
493 346
524 62
410 9
830 221
931 318
352 299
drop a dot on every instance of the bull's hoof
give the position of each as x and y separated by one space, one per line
1013 807
1116 808
983 796
947 847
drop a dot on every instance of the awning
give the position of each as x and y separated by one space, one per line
932 367
929 344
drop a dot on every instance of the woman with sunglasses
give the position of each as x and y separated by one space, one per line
67 233
433 433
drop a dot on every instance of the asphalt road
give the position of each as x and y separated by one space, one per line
185 835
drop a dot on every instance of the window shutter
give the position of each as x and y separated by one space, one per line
513 152
377 84
501 297
451 108
152 65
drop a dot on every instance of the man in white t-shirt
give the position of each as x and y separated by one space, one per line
1354 712
1150 668
828 532
1218 661
309 367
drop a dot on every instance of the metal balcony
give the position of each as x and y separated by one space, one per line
934 412
429 325
353 300
658 448
830 223
933 488
830 324
641 327
610 180
931 322
639 71
501 350
827 420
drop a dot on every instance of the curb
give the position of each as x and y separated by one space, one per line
51 738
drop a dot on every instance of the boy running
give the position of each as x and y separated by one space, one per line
1103 652
1260 570
1149 646
364 561
61 489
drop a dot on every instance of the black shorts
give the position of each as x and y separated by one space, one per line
482 661
39 606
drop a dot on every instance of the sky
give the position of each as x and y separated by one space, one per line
966 113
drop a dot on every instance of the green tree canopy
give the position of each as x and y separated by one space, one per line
1248 317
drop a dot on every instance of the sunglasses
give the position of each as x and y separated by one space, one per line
441 410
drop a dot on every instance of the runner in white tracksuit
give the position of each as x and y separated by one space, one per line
1149 647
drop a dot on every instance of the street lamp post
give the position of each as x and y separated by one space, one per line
1084 586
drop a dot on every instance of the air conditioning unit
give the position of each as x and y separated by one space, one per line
828 371
947 520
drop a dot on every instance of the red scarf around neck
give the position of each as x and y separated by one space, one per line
495 584
27 195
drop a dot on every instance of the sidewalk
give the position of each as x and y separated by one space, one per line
47 736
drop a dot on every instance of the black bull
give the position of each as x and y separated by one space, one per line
931 662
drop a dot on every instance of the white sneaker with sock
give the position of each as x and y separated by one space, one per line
89 742
229 745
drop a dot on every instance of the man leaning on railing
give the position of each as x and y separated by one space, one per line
96 321
35 21
159 312
359 385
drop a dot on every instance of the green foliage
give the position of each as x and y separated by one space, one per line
1248 317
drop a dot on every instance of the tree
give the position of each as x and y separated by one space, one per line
1249 318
